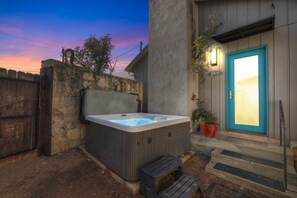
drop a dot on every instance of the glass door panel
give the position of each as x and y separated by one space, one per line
246 77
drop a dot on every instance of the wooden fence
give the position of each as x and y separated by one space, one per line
19 99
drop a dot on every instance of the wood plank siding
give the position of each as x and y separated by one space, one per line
19 96
281 51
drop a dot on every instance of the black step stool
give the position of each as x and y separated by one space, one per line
184 185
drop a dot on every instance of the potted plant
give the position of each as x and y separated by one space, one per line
203 119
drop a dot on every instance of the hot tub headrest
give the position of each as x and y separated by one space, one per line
96 102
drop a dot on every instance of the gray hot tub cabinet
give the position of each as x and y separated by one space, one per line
125 153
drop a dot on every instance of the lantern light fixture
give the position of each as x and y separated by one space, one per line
213 56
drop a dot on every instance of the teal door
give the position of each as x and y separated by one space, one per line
247 90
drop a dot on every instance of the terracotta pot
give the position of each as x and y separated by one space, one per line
211 130
208 130
203 130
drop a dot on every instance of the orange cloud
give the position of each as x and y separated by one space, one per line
21 63
123 62
32 65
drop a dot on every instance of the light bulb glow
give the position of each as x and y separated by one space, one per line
213 56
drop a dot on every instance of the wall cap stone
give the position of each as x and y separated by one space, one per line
56 63
13 74
3 72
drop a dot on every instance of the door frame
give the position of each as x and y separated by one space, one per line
264 88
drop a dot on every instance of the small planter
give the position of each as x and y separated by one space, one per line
208 130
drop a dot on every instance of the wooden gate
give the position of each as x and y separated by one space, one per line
19 97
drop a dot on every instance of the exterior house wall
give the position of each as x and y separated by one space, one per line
171 33
140 71
282 60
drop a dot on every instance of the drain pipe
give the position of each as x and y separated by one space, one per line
283 142
138 101
81 107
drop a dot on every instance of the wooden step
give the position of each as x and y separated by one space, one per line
185 187
160 168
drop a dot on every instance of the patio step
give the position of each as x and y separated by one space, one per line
254 182
251 147
273 170
266 168
262 157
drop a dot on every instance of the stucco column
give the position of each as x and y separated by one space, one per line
171 34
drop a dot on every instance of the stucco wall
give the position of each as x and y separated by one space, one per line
170 36
66 130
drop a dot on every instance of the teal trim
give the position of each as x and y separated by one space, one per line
227 90
267 89
261 51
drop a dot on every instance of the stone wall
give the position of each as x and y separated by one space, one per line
171 35
65 82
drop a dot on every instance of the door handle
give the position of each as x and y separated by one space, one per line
230 94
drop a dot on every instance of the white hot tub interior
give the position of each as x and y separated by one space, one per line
137 122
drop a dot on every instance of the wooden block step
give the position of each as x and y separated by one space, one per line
185 187
161 167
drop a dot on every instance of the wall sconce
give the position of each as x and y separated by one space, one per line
213 56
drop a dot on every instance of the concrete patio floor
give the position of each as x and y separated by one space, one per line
73 174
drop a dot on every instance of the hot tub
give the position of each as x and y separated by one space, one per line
126 142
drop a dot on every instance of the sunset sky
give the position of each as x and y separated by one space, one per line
35 30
